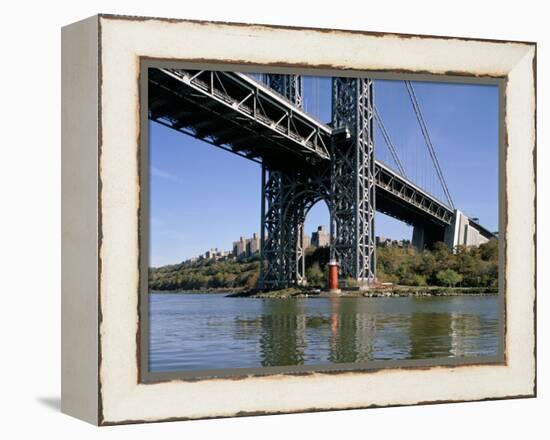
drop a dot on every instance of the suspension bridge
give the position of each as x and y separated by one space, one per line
304 161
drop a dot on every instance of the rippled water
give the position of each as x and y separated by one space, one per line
211 331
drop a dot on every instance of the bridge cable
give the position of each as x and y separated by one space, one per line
429 144
388 141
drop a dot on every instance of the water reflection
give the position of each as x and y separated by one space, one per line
359 332
215 332
351 332
282 341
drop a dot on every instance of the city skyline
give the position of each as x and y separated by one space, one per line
250 246
193 209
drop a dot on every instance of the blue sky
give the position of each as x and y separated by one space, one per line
204 197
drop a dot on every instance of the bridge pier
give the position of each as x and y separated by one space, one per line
426 235
418 238
464 231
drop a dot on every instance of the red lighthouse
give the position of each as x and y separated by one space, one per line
333 276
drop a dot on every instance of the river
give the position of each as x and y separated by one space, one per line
211 331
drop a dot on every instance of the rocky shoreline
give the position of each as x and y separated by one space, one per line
395 291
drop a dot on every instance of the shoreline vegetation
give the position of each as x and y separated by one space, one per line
404 271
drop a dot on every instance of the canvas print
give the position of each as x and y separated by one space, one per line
316 221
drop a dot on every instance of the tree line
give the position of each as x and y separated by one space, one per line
465 267
206 274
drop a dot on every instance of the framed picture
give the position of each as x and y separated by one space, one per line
262 219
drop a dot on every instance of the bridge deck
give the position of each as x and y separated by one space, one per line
397 197
233 111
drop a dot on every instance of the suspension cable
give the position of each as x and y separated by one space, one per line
388 141
431 149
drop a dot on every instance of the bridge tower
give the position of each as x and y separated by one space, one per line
352 186
290 86
347 185
282 216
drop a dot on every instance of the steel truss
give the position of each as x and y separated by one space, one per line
352 187
289 86
250 114
287 195
348 186
410 196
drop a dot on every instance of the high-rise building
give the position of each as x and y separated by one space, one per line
239 247
214 254
320 238
210 254
246 246
253 245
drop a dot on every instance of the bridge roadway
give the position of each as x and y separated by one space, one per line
235 112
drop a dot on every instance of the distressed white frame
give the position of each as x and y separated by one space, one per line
101 119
